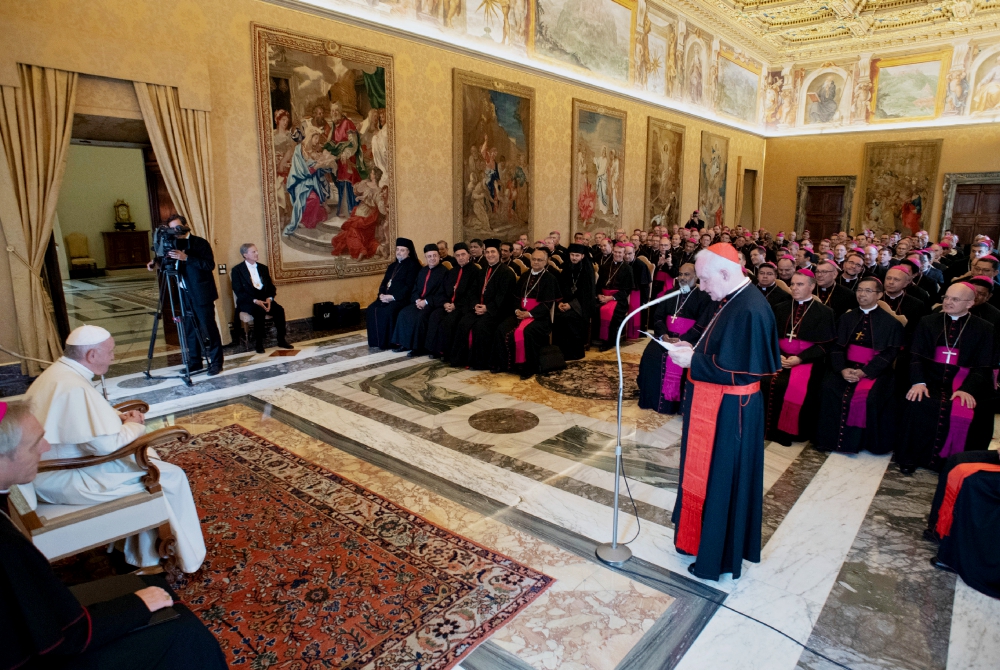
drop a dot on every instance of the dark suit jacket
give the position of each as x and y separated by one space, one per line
244 289
197 270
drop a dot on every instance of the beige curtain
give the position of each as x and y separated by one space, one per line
36 122
182 144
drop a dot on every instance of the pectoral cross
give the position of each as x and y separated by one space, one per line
791 336
859 335
389 285
948 353
524 302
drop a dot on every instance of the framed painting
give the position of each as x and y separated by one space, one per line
493 157
910 87
712 178
664 172
595 36
736 92
598 178
327 146
897 185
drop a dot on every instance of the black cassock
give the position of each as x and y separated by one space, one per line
615 277
381 316
971 546
42 625
774 294
876 330
697 306
738 349
641 280
544 288
460 289
496 291
927 422
813 322
571 330
411 324
837 298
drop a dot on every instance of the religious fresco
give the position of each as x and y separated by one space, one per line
655 64
736 90
594 35
712 178
908 88
823 97
325 124
598 177
664 173
898 183
493 157
695 65
987 96
504 22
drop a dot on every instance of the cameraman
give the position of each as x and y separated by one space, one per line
195 265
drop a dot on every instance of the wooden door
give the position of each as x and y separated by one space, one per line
824 211
976 211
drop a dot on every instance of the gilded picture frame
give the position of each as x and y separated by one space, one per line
879 67
664 187
597 177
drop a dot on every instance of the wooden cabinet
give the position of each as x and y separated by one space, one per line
126 249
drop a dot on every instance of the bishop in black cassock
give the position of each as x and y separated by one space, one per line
393 294
477 330
829 292
460 296
427 296
858 406
614 289
641 283
721 492
521 336
807 328
661 382
577 305
767 284
951 364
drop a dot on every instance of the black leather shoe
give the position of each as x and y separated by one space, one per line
214 371
284 344
412 354
432 355
260 348
907 469
940 565
527 375
398 350
931 536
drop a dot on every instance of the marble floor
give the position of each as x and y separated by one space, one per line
123 304
527 468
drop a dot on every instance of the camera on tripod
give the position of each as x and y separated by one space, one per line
164 241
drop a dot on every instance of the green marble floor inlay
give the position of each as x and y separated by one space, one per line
414 387
642 463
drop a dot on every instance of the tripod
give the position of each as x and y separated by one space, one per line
172 295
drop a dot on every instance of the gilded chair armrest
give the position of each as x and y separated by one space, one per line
129 405
138 447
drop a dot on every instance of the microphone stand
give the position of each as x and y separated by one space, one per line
613 553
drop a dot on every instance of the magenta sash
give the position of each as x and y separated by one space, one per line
635 323
798 386
668 282
961 417
607 311
672 373
529 304
858 409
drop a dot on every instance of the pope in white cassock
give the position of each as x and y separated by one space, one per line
78 421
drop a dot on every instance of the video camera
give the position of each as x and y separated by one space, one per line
165 240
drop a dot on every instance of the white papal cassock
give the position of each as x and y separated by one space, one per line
79 422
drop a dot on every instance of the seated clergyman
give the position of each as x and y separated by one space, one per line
45 625
79 422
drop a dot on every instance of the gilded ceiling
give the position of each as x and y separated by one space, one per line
797 30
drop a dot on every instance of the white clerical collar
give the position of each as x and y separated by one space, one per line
895 296
535 272
869 310
77 367
802 302
956 318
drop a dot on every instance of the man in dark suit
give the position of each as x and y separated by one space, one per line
195 264
255 295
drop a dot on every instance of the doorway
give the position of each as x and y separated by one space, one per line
976 211
824 211
748 211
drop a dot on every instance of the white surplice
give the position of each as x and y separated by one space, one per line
78 421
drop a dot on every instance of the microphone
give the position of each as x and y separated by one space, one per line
613 553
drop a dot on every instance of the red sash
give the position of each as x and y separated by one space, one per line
961 417
672 373
607 311
798 386
955 479
702 423
632 329
668 282
856 415
528 304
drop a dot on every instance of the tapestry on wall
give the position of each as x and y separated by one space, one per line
664 165
325 122
712 178
898 185
493 157
598 177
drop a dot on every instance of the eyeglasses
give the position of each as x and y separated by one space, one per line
867 290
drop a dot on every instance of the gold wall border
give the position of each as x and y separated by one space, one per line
943 56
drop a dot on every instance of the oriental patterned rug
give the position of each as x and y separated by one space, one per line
309 570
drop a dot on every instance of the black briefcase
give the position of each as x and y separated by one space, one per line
324 316
349 314
550 359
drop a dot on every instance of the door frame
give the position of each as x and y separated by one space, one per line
849 182
951 182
